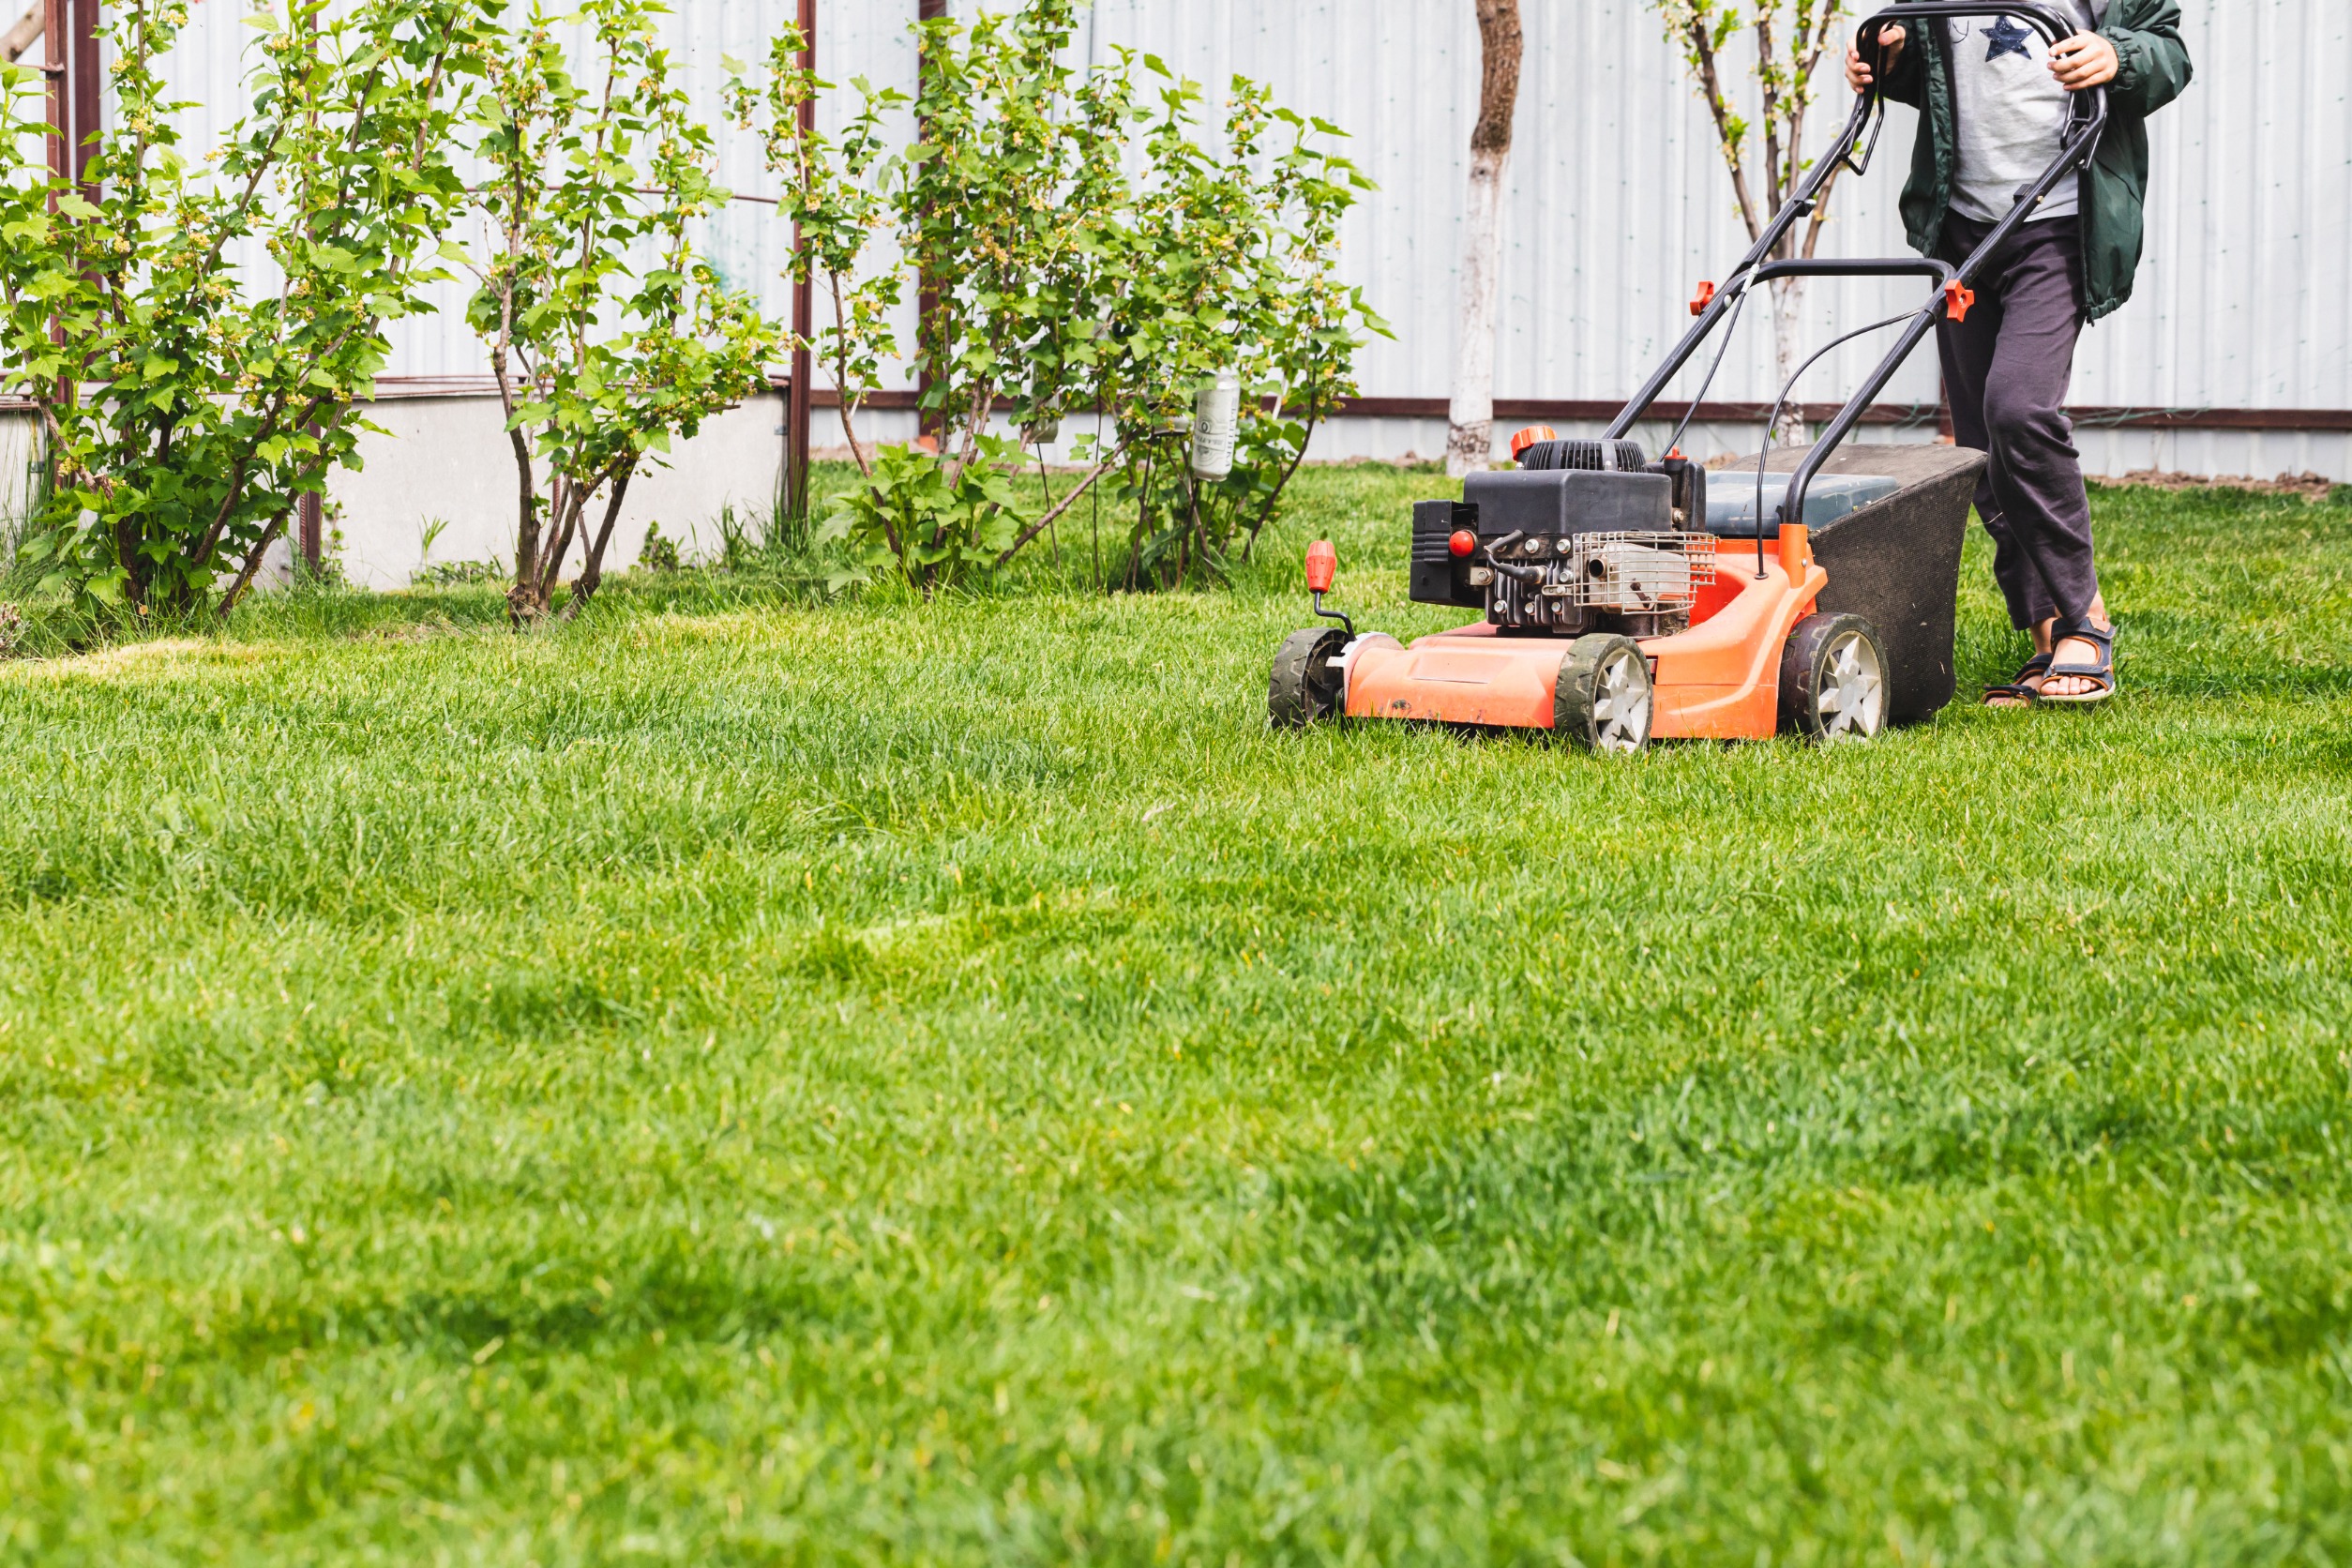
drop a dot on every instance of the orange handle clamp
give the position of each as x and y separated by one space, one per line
1322 565
1705 297
1958 297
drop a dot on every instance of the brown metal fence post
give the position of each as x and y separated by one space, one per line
931 422
310 506
85 86
804 312
310 522
54 52
69 60
313 533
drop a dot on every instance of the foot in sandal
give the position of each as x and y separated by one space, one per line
2023 687
2082 668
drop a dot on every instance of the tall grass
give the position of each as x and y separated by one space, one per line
763 1081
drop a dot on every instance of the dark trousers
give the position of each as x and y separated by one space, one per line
2006 370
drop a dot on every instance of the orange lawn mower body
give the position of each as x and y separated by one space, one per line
1745 640
1812 593
1719 679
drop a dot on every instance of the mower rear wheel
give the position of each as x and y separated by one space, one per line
1307 686
1601 699
1834 680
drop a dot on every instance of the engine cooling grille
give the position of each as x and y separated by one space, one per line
1634 574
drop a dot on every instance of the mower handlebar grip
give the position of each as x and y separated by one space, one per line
1853 266
2052 25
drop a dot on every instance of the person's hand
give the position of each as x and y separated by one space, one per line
2085 60
1891 39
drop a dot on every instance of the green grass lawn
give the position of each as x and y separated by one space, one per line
741 1081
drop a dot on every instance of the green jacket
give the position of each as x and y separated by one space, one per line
2154 71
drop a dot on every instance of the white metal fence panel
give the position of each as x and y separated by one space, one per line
747 242
1619 204
2245 299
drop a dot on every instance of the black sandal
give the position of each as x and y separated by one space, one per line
2023 695
2102 671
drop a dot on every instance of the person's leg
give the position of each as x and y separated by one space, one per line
1967 350
2038 476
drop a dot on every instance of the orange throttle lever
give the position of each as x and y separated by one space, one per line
1705 297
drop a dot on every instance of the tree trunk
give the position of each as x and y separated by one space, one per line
519 609
252 564
26 33
592 570
1469 437
1788 301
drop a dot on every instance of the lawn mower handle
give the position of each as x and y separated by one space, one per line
2085 126
2053 25
1855 266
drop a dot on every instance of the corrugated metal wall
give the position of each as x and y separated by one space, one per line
1619 204
745 241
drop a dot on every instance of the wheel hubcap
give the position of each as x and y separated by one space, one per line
1620 706
1853 701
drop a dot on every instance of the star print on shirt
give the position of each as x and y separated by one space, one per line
2007 38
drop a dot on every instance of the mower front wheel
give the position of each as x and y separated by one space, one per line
1307 686
1834 680
1602 699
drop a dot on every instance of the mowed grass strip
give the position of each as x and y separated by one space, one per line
741 1081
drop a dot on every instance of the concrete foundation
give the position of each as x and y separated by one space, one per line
2106 453
448 460
445 460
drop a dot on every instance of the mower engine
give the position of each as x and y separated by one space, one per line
1640 585
1550 548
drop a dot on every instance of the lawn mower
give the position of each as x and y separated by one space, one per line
1621 599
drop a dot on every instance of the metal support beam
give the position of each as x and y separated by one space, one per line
87 95
53 54
69 58
803 313
930 421
311 527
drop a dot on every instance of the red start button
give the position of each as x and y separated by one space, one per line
1463 542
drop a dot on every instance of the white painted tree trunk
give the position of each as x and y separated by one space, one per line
1469 437
1788 305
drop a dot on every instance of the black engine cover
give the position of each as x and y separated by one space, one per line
1569 501
1550 502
